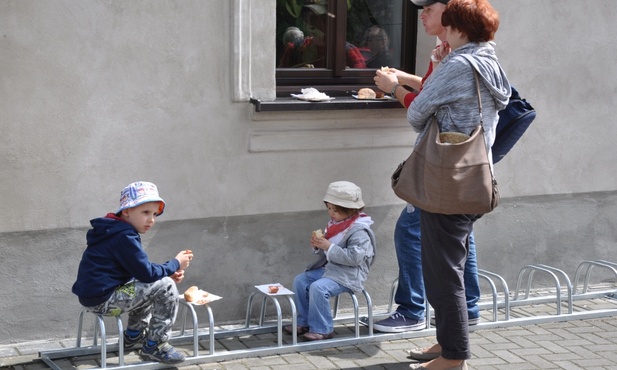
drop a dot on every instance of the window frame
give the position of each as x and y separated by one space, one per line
340 81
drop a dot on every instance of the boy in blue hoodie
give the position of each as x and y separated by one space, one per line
116 276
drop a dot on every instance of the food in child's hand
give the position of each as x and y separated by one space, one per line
195 295
385 69
318 233
366 93
273 288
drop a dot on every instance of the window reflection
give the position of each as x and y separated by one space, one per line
376 27
304 45
376 48
306 33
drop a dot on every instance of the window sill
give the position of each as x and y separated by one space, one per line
339 103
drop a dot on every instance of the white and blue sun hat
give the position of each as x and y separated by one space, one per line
138 193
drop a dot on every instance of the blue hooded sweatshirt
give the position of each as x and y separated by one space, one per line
114 256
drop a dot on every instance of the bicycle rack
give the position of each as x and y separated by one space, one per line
589 265
487 275
392 294
552 272
583 273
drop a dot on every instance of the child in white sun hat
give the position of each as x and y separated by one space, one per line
116 276
346 253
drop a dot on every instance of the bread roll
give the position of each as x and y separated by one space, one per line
194 294
318 233
385 69
366 93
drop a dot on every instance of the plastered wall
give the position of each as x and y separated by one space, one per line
95 95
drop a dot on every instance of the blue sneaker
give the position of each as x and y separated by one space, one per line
398 323
163 352
131 343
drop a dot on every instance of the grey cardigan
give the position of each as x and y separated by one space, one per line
450 93
349 263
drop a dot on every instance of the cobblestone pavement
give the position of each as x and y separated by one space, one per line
587 343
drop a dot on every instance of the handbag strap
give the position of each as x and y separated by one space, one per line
475 75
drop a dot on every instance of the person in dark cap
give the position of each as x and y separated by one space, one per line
410 313
450 96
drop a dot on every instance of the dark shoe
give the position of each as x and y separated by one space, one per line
398 323
299 329
131 343
163 352
474 321
462 366
316 336
420 355
470 321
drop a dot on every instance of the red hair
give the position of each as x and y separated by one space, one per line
476 19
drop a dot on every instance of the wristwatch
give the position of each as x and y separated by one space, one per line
393 91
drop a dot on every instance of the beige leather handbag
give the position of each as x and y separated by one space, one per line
449 177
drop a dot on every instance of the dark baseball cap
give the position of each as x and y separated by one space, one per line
422 3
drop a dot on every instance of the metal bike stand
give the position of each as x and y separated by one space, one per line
188 307
354 299
392 294
99 326
349 340
531 269
279 315
506 292
589 266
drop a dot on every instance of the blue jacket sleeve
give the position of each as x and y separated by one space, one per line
133 258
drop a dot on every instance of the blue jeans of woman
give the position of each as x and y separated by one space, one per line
410 291
312 298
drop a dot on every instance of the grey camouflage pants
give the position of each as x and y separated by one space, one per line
151 306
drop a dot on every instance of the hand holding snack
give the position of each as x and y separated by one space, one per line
184 258
316 234
318 240
385 80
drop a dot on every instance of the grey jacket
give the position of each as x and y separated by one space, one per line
450 93
348 263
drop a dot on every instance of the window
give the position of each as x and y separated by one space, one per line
336 45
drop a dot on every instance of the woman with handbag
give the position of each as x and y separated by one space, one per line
463 95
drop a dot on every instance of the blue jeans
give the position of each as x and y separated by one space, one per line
410 292
312 298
